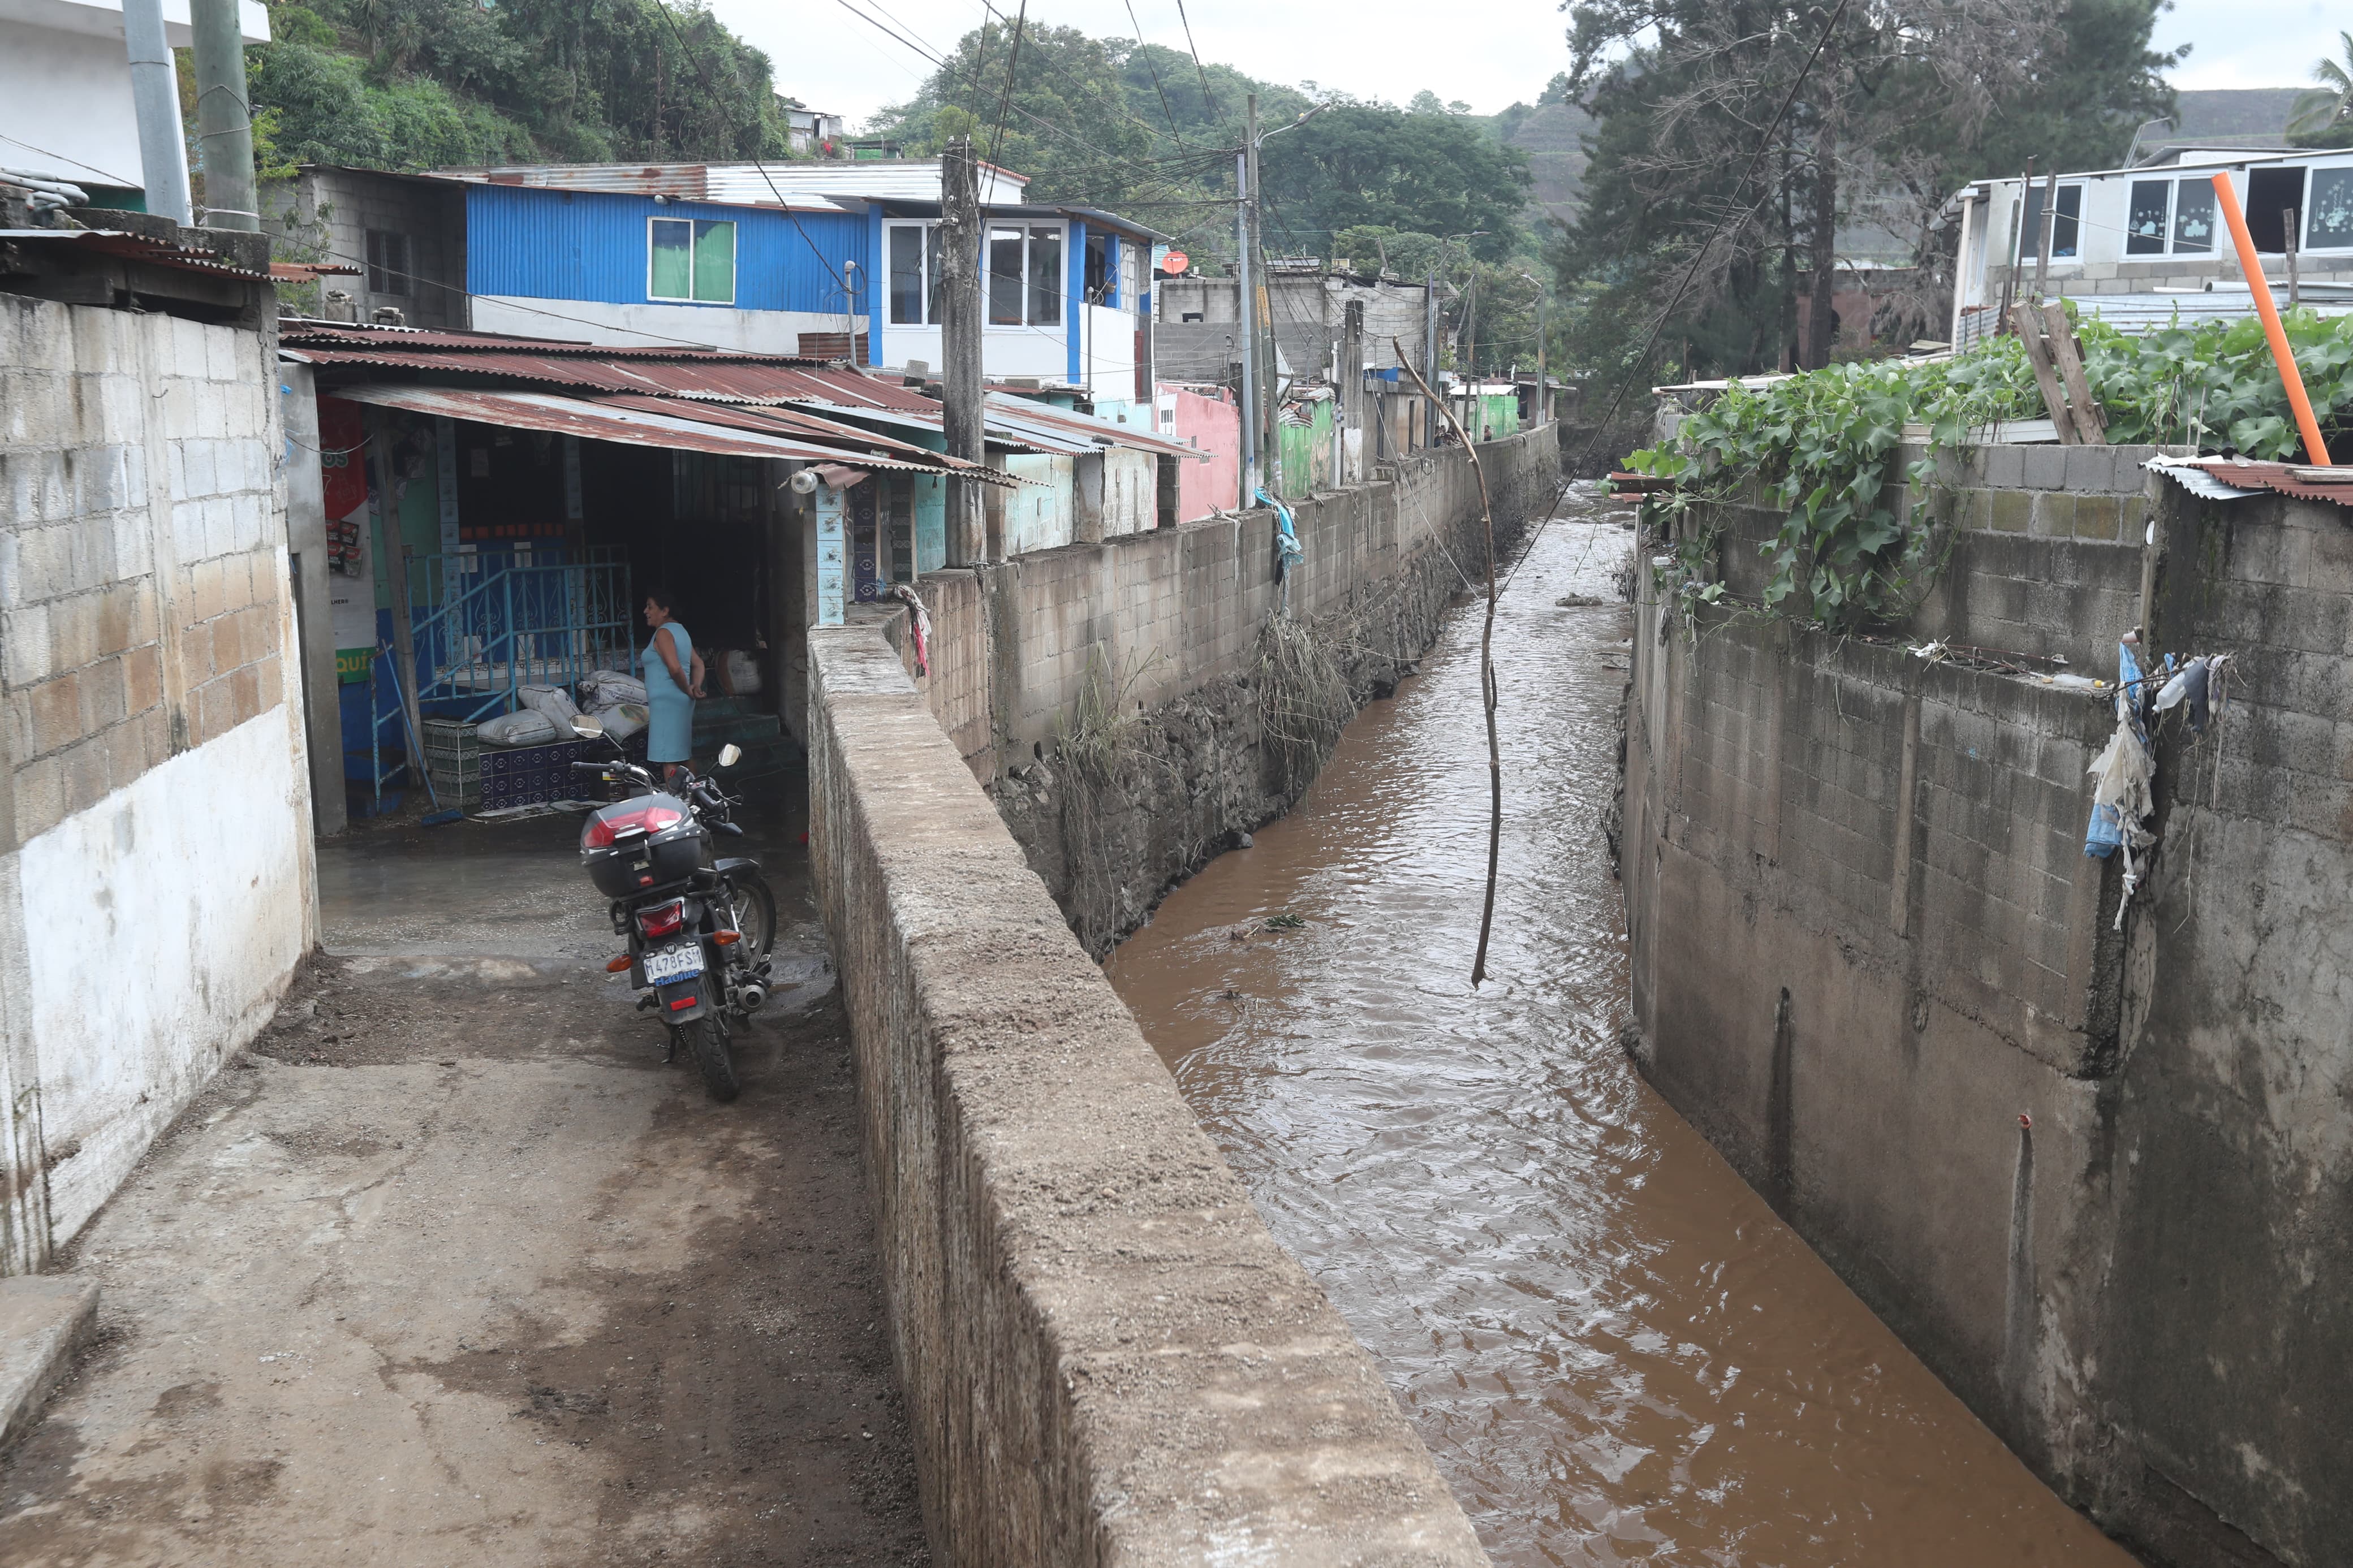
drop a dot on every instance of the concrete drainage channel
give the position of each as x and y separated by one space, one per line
1106 1358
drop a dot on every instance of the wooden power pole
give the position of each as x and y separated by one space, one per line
961 418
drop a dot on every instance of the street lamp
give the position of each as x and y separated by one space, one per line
1543 386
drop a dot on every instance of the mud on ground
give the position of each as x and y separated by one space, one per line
453 1268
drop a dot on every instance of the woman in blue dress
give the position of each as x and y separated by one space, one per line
673 674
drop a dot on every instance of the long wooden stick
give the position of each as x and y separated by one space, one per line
1486 672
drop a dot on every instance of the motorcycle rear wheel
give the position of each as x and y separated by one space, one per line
755 915
706 1038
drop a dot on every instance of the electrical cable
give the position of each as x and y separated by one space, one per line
1012 69
1208 99
1634 370
1167 112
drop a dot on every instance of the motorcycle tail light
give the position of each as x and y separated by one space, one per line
602 830
661 919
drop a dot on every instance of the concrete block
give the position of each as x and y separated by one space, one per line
2005 466
52 714
2055 515
83 776
2091 469
2096 517
44 1319
2012 510
2044 467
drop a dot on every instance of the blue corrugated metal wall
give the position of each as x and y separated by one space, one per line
584 244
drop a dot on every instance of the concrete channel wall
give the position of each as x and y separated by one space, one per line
2091 1158
1106 1357
1115 698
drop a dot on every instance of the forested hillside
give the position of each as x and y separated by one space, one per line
414 84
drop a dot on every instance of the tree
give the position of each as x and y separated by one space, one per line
1369 164
2078 105
2324 117
1836 115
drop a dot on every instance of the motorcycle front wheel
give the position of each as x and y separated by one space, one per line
706 1039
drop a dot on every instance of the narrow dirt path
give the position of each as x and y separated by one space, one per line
452 1268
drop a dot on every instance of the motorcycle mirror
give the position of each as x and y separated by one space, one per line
587 726
729 754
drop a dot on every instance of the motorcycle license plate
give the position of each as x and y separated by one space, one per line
672 964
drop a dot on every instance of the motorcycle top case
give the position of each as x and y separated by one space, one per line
640 844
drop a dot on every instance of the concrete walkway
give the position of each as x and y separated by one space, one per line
452 1268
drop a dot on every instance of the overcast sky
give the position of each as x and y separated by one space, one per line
1487 55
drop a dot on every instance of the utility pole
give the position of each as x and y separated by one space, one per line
224 117
1269 463
1249 323
962 420
1543 387
1429 359
155 98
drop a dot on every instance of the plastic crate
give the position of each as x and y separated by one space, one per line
453 760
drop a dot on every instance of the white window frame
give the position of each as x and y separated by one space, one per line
1027 226
734 261
2312 175
928 228
2029 253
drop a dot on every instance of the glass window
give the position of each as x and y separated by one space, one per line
1004 276
672 273
2064 229
2329 224
906 276
387 262
690 259
2145 220
2194 215
1098 273
1131 275
714 262
1045 276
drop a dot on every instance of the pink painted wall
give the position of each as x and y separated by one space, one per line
1214 426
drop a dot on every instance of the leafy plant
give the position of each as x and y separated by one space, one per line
1853 551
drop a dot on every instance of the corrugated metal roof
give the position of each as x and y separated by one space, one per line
1023 414
129 247
2149 312
820 185
792 422
573 416
296 331
2334 486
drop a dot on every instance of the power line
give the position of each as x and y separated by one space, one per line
1012 65
1141 46
1208 99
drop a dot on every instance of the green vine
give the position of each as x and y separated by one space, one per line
1853 551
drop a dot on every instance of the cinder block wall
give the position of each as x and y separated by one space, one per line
1106 1357
1156 615
155 871
2093 1170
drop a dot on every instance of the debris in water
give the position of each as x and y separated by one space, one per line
1283 923
1579 602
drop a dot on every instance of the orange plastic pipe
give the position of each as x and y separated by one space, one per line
2253 266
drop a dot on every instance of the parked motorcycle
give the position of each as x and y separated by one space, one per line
699 929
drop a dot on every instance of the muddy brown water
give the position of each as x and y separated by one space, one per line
1615 1350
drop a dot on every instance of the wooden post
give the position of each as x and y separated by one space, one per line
2091 422
963 417
2029 322
2050 225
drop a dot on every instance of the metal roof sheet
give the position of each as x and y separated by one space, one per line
1021 414
131 247
572 416
298 332
791 422
2243 477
